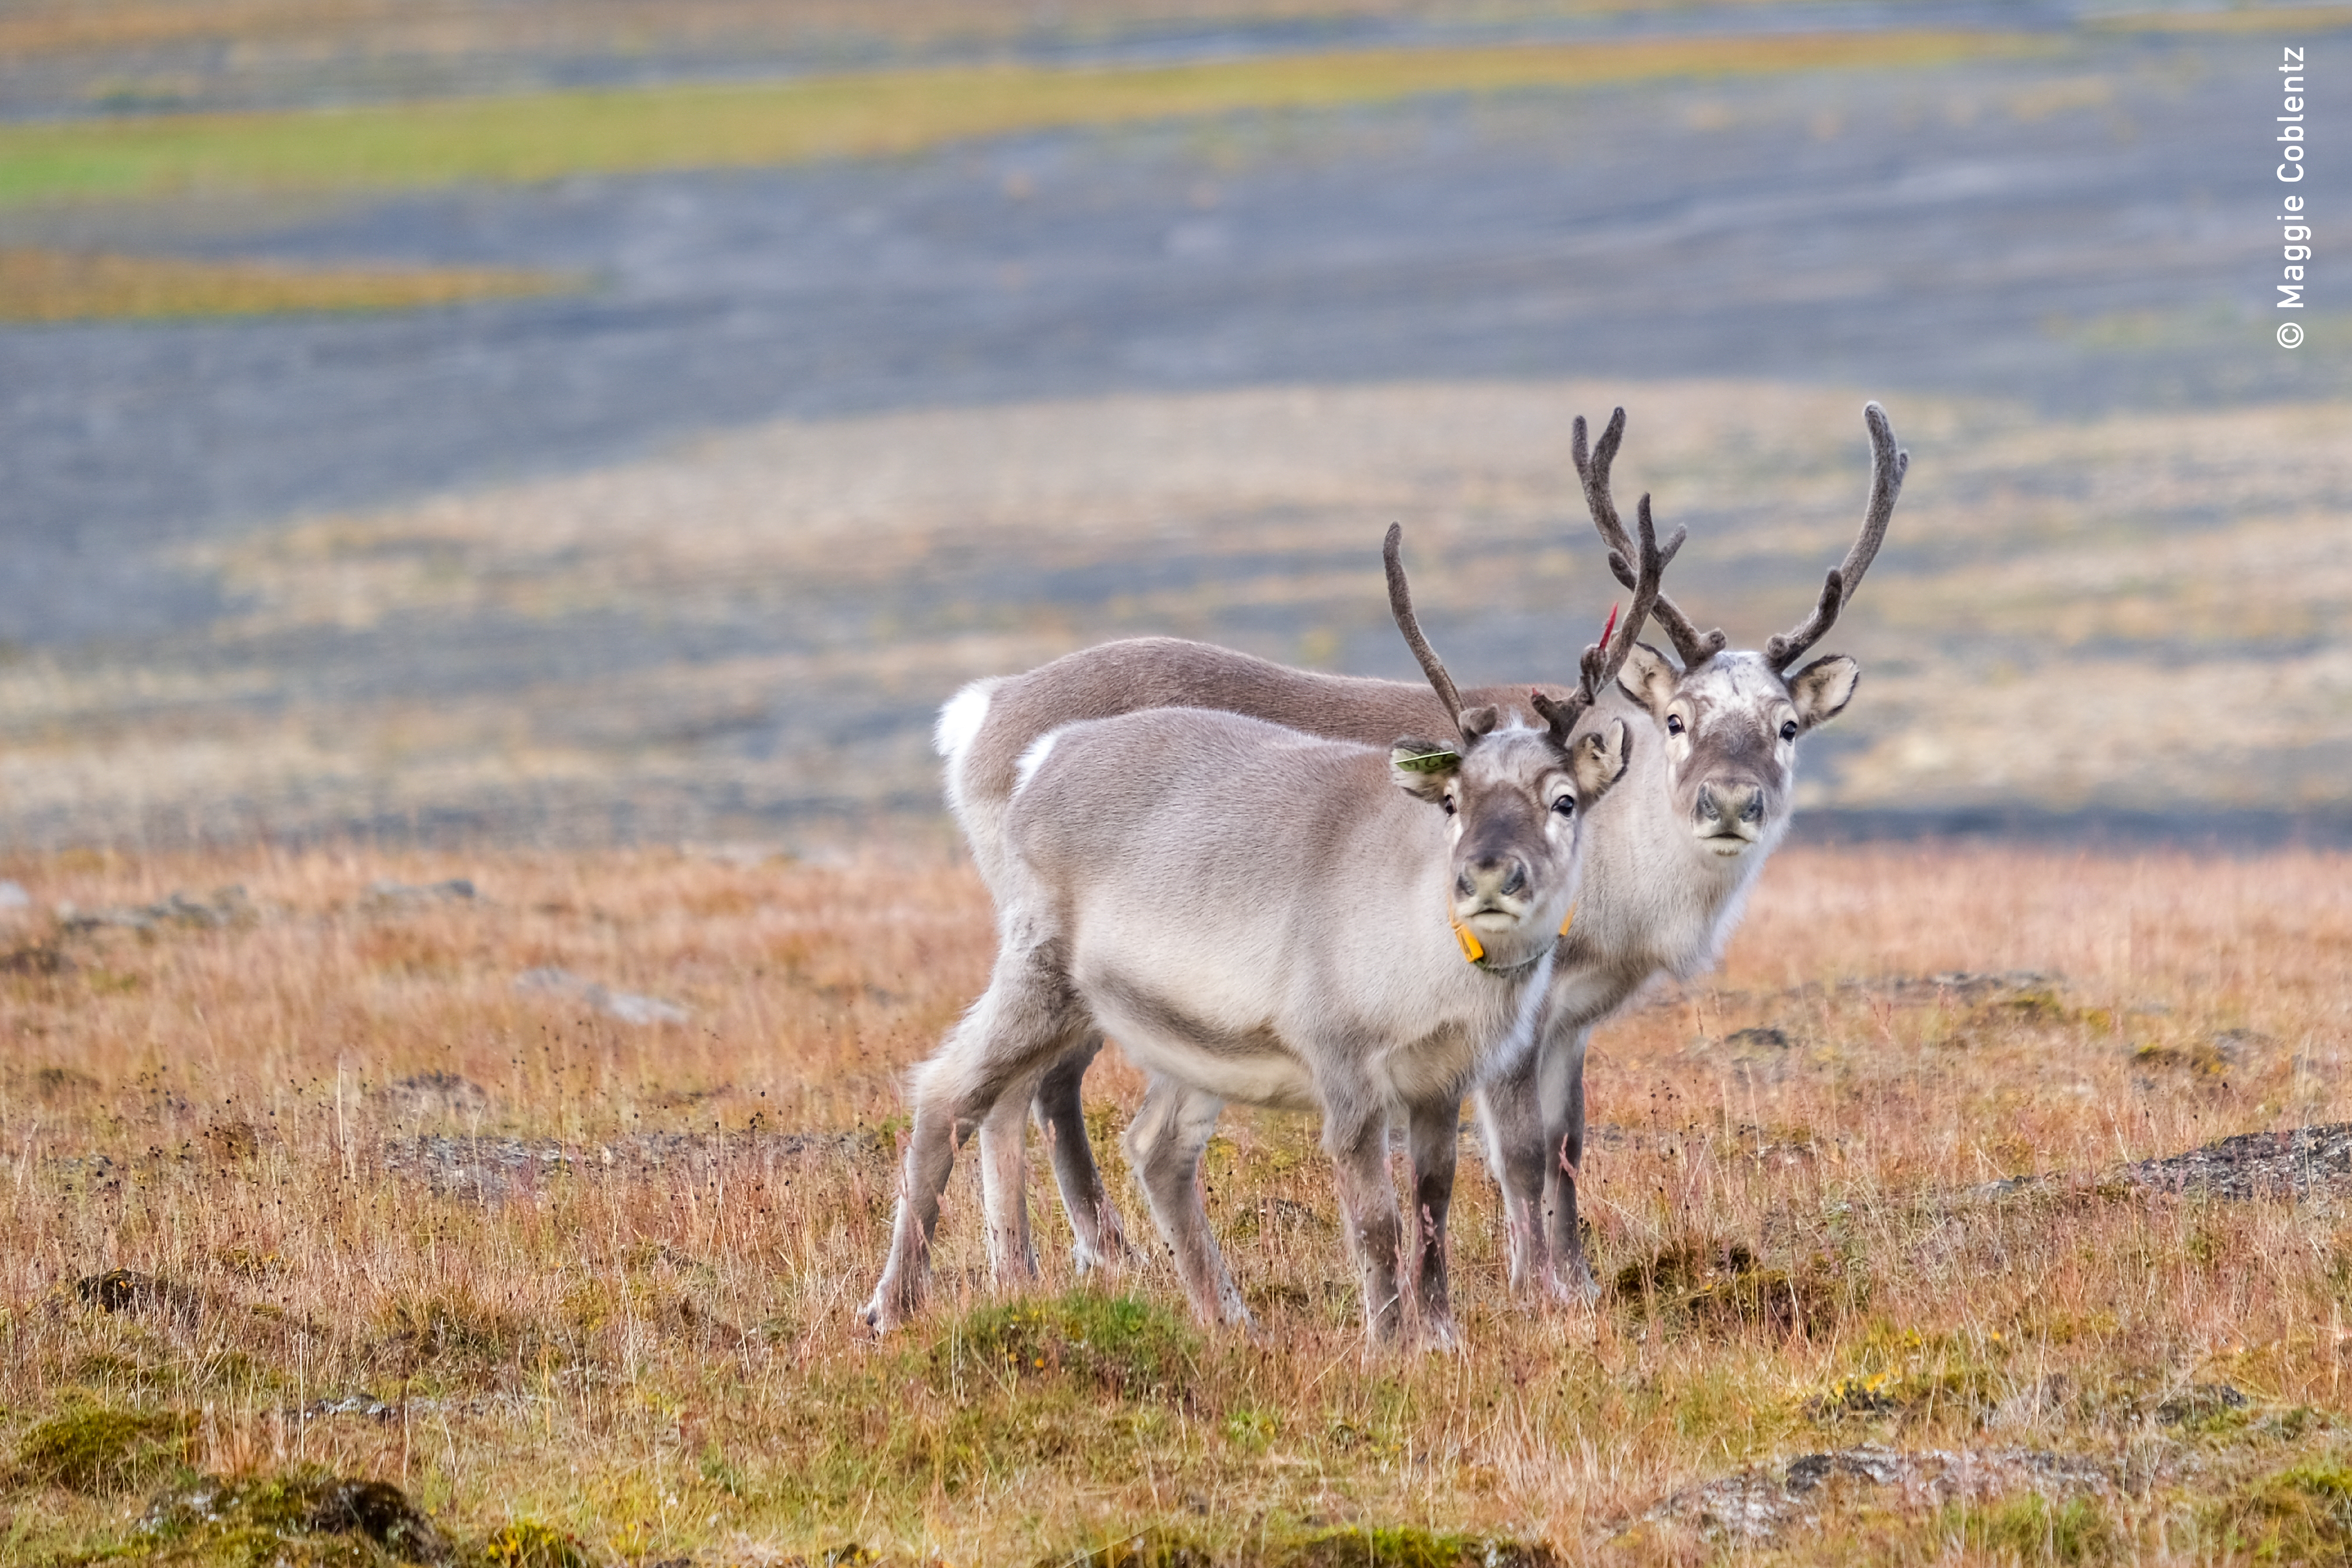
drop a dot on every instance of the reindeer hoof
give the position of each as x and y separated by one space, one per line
1560 1289
1577 1288
1439 1336
884 1313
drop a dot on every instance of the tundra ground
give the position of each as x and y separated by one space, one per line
549 1204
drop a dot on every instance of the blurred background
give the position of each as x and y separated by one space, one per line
570 421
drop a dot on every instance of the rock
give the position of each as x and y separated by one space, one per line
380 1512
1755 1039
1757 1507
391 894
2297 1163
228 906
2200 1402
628 1006
290 1508
127 1290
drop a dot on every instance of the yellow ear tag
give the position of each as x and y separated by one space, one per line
1472 948
1569 921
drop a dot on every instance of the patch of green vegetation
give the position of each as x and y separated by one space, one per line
102 1449
1128 1346
2301 1514
945 1444
1905 1374
527 1544
1011 1387
2032 1529
1400 1547
544 136
63 285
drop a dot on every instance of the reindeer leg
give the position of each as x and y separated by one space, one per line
1164 1145
1510 1110
1027 1016
1003 1186
1359 1147
1097 1236
1560 1073
1435 1133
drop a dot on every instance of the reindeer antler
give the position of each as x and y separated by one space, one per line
1887 466
1401 606
1593 468
1603 660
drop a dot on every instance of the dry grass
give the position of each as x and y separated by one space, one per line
66 286
613 1300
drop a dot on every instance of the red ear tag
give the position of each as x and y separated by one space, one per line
1608 630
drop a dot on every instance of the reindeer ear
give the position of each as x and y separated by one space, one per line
1648 680
1822 690
1421 768
1597 760
1476 722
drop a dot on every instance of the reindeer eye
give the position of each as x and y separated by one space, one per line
1789 730
1446 800
1674 723
1565 805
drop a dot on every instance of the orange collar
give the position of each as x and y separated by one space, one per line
1474 951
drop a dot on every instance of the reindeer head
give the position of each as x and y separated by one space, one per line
1731 720
1515 796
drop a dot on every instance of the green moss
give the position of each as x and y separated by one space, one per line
1407 1548
305 1517
1121 1343
1404 1547
2301 1514
101 1450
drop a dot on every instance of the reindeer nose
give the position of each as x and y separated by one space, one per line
1497 876
1729 803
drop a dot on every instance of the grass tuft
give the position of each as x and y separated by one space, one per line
2300 1514
2033 1529
103 1450
1127 1346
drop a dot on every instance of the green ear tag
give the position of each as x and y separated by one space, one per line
1429 762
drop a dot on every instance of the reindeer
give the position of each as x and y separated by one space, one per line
1670 853
1267 916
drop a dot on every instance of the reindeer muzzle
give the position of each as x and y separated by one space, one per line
1728 816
